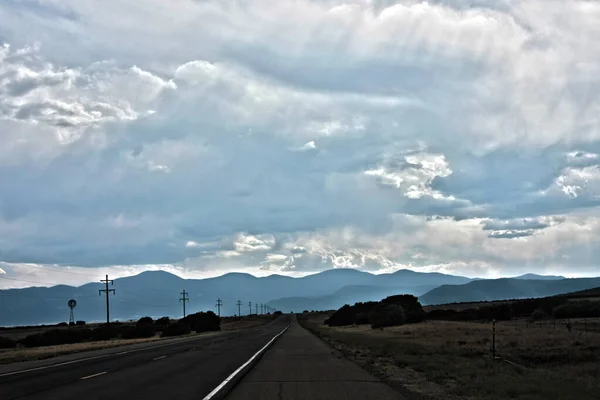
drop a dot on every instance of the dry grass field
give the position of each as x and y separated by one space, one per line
40 353
37 353
452 360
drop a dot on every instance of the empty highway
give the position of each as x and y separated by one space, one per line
184 369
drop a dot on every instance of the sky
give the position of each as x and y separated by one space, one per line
208 136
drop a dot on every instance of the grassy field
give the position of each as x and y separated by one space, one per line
452 360
37 353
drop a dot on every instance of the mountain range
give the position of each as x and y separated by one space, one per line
157 293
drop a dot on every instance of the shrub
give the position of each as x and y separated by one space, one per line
55 337
537 315
164 321
203 321
143 330
62 324
384 315
145 321
361 318
106 332
577 309
176 329
410 304
277 313
360 313
6 343
80 323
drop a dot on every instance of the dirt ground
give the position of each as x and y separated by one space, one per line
453 360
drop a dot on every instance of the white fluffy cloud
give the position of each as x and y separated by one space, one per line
297 136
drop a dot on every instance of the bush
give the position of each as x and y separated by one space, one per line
361 318
577 309
537 315
410 304
203 321
55 337
80 323
277 313
145 321
106 332
360 313
6 343
164 321
384 315
62 324
176 329
143 330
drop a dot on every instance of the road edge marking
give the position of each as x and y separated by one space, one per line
216 390
159 358
22 371
92 376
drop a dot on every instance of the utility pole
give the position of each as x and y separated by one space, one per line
219 304
256 306
183 299
250 306
107 292
261 308
239 304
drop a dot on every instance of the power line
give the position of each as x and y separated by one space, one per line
141 304
42 297
55 270
24 280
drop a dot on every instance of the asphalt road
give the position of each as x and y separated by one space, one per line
184 369
300 366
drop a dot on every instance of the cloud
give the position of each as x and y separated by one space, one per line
299 136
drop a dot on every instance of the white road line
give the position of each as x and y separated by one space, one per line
159 358
103 356
53 365
237 371
93 376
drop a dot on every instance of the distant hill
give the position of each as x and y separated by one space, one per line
589 293
540 277
156 294
505 289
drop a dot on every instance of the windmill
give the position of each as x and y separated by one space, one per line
72 304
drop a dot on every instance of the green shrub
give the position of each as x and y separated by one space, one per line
106 332
577 309
145 321
203 321
80 323
384 315
361 318
537 315
176 329
143 330
55 337
164 321
6 343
